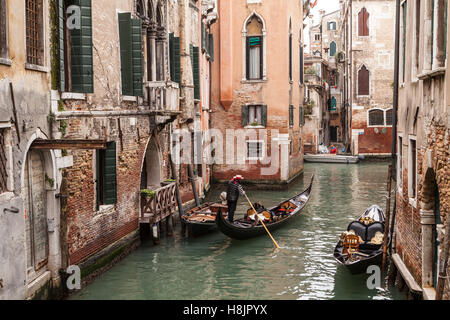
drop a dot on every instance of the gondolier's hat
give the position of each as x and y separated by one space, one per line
238 177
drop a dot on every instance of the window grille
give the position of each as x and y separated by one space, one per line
33 32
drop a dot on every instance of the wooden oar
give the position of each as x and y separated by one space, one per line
276 244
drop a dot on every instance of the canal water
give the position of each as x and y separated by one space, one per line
217 267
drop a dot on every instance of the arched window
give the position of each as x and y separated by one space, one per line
363 23
254 49
140 10
376 117
150 10
332 25
332 48
363 81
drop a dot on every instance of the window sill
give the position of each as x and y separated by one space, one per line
105 209
129 98
254 159
5 124
73 96
253 81
6 61
35 67
431 73
254 127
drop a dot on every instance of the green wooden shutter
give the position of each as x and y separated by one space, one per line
136 36
264 116
62 76
211 47
110 175
175 62
244 116
126 55
81 51
196 72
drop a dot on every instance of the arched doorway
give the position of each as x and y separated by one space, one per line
35 208
431 218
151 169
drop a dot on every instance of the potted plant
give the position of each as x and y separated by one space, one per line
149 194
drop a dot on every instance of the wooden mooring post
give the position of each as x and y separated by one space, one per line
388 214
177 190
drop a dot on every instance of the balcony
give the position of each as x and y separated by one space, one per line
313 80
163 98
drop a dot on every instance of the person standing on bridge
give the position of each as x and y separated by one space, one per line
233 192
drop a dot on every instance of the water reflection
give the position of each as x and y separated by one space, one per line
217 267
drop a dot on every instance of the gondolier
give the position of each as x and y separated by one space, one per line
234 190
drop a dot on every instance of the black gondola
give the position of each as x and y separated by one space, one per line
201 220
243 229
362 245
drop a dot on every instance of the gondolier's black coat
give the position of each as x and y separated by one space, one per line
234 190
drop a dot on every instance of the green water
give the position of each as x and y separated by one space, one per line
217 267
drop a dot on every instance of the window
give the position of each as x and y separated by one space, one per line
389 117
130 31
317 37
333 104
302 64
34 32
254 115
380 117
416 39
254 58
363 23
332 48
3 30
291 115
332 25
301 111
363 81
175 62
412 169
400 162
376 117
404 19
75 48
3 166
255 150
254 49
106 180
290 56
195 70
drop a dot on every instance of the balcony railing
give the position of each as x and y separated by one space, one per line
163 97
160 206
313 80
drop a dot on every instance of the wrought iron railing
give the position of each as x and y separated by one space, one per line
3 171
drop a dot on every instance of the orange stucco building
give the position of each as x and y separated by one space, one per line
257 90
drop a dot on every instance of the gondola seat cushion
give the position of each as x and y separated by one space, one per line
359 229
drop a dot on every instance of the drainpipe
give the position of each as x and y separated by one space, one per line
395 98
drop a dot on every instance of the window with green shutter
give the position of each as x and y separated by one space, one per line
130 32
195 71
244 116
175 62
82 70
106 175
301 112
61 51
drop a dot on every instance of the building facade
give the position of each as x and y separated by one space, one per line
257 96
423 183
368 40
91 93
